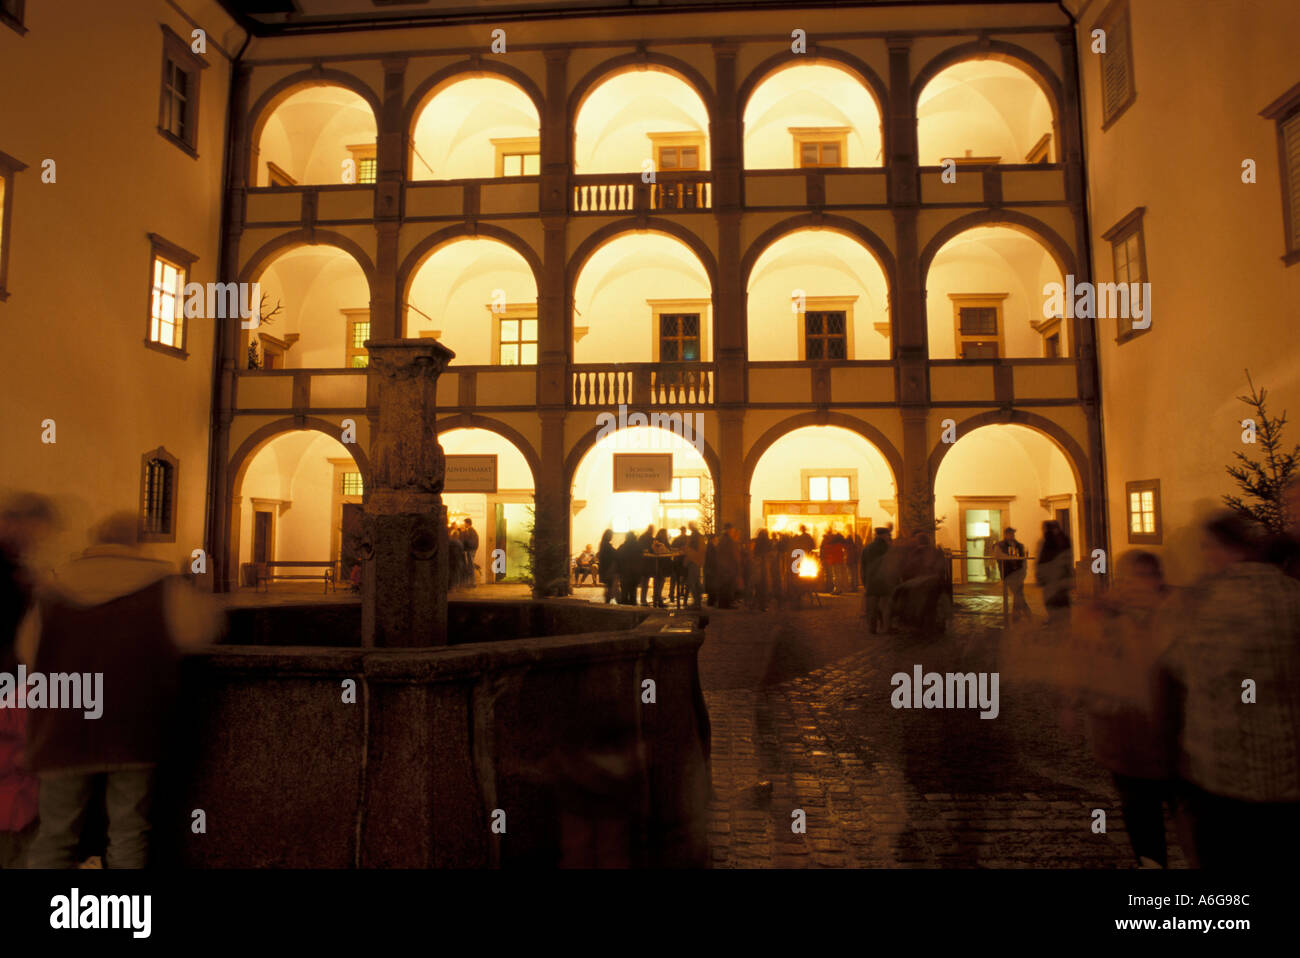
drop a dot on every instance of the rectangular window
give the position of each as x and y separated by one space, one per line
1129 258
11 14
1117 89
8 167
1144 512
352 485
829 488
158 496
358 332
825 334
679 158
1285 111
178 111
365 163
169 269
679 337
685 489
977 318
518 342
521 164
518 155
817 147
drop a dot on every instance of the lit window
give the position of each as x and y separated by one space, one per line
355 355
1117 88
679 337
158 497
1144 511
365 165
684 489
521 164
823 147
839 491
168 271
352 485
829 488
518 156
518 342
978 321
178 110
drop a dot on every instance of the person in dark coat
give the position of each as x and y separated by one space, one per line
628 566
876 588
728 567
647 564
606 563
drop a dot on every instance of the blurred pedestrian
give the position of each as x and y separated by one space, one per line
116 613
629 568
606 564
1010 553
875 586
1236 661
1055 571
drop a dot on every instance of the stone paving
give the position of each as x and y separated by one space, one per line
800 707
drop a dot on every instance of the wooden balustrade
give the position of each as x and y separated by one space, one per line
626 192
642 384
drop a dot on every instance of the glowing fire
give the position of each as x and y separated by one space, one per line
809 568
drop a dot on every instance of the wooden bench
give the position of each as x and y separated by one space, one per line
266 571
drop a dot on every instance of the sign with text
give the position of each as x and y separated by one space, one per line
643 471
471 474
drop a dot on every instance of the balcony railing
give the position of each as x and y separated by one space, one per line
642 384
625 192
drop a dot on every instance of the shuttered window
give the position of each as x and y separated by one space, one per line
1117 89
1291 176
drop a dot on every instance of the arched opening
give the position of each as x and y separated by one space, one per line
478 297
643 297
316 136
315 312
300 501
817 295
997 476
642 119
638 476
824 478
488 482
812 115
984 297
984 111
474 128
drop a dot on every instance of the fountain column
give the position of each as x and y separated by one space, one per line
404 525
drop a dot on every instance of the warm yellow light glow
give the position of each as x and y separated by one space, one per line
809 568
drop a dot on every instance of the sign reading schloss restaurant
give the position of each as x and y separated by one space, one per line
471 474
643 471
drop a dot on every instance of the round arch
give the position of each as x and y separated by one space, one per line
1066 443
823 418
1057 247
513 436
827 56
587 441
803 221
271 249
242 456
631 226
639 60
1017 56
281 90
445 237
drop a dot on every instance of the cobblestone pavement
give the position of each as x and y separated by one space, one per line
800 707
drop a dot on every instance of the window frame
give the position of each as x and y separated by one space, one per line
8 167
806 476
1144 538
825 304
514 312
176 50
515 146
685 138
993 301
360 153
183 259
173 466
1286 109
659 307
1116 12
351 318
1132 223
820 136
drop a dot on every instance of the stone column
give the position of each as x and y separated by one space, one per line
404 526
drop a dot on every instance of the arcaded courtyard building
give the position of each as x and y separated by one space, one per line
824 233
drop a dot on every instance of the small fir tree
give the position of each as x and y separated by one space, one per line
1262 483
